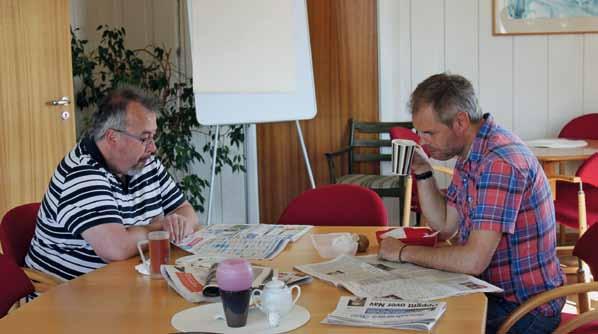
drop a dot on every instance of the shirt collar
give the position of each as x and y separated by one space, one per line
476 152
92 148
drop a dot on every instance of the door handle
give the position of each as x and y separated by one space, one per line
63 101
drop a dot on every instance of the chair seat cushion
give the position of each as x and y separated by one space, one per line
591 327
566 204
371 181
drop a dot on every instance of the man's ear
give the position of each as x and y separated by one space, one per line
461 122
110 136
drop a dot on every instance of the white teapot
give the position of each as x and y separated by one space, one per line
275 300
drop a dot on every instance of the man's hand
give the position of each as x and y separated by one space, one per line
178 226
421 162
389 249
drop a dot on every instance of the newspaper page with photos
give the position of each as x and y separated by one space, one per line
194 277
386 313
368 276
252 242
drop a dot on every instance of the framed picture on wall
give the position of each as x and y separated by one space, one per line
520 17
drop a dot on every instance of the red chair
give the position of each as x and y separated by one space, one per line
566 203
582 127
15 284
336 205
16 231
586 322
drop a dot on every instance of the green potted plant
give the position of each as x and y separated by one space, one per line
111 63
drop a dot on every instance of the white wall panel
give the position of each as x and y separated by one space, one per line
461 34
495 69
427 39
389 61
565 80
530 87
590 74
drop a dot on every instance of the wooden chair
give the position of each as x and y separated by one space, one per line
15 284
364 147
16 231
568 192
586 322
336 205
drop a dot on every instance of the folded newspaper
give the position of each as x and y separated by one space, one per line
368 276
386 313
252 242
194 277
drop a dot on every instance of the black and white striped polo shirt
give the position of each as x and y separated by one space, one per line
83 193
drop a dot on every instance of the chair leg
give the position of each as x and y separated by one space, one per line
583 300
562 235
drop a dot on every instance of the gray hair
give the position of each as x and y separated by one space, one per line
112 110
447 94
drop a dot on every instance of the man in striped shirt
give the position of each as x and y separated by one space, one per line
498 207
108 193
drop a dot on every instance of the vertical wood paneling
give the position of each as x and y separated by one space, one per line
164 16
461 33
590 74
530 87
565 82
138 22
427 39
344 52
495 69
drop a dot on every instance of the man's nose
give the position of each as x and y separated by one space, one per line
151 146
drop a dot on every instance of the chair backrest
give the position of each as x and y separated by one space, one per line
336 205
16 231
365 141
399 132
588 170
582 127
15 284
585 249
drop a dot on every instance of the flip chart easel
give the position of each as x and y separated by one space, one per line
251 64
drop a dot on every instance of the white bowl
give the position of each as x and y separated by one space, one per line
331 245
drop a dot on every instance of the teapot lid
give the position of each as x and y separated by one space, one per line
275 283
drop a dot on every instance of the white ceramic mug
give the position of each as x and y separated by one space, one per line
402 155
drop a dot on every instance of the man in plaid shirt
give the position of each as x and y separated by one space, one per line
498 206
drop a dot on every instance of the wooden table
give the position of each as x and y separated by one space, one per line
551 158
115 299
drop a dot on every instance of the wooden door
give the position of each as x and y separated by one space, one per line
345 59
35 67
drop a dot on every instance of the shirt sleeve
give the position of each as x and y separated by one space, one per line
86 201
499 196
172 196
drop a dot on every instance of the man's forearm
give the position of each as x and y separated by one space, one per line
455 258
433 205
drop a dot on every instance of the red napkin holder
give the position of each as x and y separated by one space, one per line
420 236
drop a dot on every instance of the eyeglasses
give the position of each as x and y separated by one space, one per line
143 140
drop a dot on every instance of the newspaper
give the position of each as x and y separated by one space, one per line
252 242
194 277
386 313
368 276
